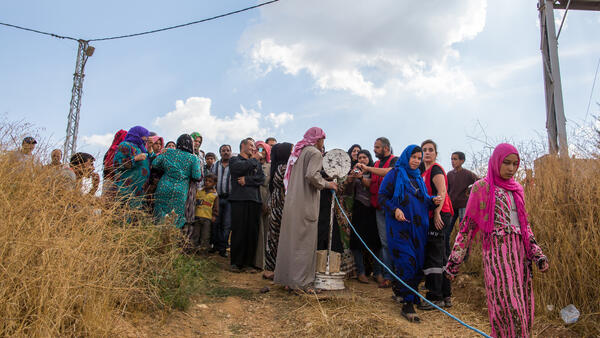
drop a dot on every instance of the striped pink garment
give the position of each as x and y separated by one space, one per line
507 271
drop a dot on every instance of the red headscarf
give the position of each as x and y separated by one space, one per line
267 149
482 201
110 154
310 138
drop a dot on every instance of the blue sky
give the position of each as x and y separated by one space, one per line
402 69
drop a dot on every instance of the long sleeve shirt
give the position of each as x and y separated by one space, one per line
251 171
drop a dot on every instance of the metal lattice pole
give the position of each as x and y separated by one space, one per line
83 52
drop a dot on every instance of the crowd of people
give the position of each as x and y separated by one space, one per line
267 209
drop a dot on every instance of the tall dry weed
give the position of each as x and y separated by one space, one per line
71 264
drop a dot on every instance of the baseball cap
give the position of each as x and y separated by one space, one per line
29 140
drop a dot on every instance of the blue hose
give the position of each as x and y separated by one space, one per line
400 280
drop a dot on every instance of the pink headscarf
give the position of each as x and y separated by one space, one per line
267 149
310 138
154 139
482 202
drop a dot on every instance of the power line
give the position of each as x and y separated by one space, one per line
185 24
141 33
39 32
592 91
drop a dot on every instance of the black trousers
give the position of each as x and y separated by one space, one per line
436 258
245 218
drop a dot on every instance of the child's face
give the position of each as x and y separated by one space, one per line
509 166
210 161
209 183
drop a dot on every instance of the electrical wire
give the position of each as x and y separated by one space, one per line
587 112
39 32
142 33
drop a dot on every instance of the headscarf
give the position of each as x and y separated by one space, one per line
155 139
368 154
110 154
482 202
352 161
135 134
404 173
280 153
185 143
267 149
195 134
170 142
310 138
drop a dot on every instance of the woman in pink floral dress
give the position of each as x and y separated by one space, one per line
496 207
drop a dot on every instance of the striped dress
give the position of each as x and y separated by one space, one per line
506 268
276 202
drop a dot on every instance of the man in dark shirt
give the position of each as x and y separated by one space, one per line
246 178
221 228
386 161
459 183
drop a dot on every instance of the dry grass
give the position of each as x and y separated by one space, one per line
564 210
69 264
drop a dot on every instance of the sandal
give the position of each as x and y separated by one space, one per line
363 279
268 275
408 312
308 291
385 284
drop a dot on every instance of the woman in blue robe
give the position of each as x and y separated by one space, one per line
403 196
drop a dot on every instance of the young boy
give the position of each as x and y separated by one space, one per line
207 209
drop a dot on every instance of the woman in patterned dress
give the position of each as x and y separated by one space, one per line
496 207
280 154
181 168
132 168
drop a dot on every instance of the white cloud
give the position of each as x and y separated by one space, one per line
194 114
366 48
280 119
98 140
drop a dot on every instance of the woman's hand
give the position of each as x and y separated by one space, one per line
448 276
140 157
437 219
544 266
437 200
399 215
333 186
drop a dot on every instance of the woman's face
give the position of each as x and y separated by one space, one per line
171 145
362 158
415 160
509 166
429 153
157 146
354 153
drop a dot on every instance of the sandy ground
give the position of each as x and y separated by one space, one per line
360 310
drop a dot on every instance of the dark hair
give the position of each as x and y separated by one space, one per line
415 150
460 154
210 155
385 142
245 141
270 139
224 145
211 176
368 154
170 142
80 158
430 141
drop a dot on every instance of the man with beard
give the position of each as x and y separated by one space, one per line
219 235
386 161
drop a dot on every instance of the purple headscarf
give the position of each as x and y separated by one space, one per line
135 134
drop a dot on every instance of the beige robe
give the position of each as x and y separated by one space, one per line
296 252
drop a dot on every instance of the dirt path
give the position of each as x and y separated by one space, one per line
239 309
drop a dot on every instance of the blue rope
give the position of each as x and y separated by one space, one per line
400 280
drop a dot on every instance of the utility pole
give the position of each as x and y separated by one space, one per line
83 52
555 113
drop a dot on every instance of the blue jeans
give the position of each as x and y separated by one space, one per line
360 264
384 254
221 228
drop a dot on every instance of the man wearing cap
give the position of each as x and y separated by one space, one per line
25 154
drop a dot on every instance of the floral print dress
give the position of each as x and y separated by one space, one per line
130 175
506 267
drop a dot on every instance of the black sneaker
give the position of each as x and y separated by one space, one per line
447 302
425 306
235 268
223 254
212 250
